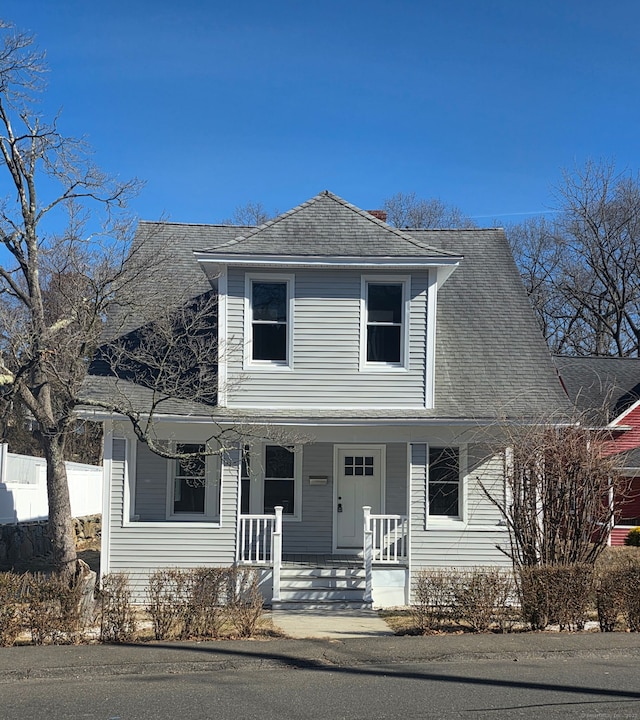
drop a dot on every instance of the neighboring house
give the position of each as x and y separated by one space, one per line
390 357
606 391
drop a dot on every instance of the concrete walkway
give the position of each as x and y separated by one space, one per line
331 624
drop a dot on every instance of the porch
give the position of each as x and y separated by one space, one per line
376 574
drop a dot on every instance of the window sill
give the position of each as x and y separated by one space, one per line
267 366
383 368
212 523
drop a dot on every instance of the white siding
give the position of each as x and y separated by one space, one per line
326 348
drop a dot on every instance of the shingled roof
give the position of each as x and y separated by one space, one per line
327 225
601 388
491 360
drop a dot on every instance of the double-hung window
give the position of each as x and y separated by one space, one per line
384 336
271 475
279 479
192 489
444 482
270 321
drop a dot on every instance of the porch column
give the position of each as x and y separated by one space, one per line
277 552
368 553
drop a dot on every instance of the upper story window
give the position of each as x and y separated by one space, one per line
384 341
270 321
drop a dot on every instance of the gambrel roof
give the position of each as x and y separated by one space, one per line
491 360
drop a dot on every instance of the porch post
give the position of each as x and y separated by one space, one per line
368 553
276 558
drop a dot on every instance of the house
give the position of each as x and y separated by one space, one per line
387 359
606 391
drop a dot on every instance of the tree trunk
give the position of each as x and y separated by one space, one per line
60 519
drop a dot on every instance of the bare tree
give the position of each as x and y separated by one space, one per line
557 502
64 245
406 210
251 213
581 269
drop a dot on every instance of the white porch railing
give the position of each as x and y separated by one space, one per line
385 542
389 537
260 543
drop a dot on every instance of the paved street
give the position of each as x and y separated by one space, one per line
530 676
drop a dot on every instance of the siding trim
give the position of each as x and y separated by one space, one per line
430 350
222 337
105 540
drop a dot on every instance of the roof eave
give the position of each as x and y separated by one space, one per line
448 262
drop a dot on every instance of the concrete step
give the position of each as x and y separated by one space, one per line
327 605
302 571
322 595
322 583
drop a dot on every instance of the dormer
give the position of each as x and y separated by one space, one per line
327 306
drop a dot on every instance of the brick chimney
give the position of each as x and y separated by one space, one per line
380 214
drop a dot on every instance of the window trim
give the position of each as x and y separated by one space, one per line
405 282
461 517
211 489
249 362
256 479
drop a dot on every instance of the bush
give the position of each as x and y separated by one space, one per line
633 537
11 587
482 599
199 603
246 604
478 598
555 594
434 594
117 614
165 596
53 609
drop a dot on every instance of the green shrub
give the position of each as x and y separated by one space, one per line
633 537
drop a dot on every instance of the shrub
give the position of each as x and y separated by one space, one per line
199 603
618 589
246 601
117 614
555 594
205 603
434 594
165 598
482 599
633 537
11 586
53 609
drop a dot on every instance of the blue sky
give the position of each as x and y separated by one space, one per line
213 104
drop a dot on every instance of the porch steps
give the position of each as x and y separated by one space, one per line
321 588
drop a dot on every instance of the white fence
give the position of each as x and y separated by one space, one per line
23 488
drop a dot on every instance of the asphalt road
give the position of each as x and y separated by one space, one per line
577 686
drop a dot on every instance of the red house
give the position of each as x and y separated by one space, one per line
606 392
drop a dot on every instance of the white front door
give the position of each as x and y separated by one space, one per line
359 483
